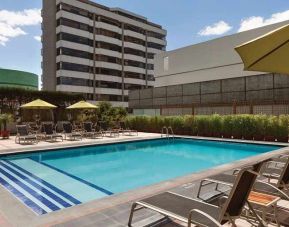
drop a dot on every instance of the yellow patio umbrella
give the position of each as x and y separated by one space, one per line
268 53
82 105
38 104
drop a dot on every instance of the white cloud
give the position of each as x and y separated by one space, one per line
11 23
257 21
37 37
218 28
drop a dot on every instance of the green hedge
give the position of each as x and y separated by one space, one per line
258 127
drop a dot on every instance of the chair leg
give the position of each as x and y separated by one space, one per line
131 214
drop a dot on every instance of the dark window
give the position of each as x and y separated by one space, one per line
134 75
110 72
150 78
133 86
150 55
74 10
116 98
156 35
74 24
134 29
109 21
108 59
108 46
74 38
101 31
150 66
134 63
156 46
74 53
74 67
134 40
134 52
107 84
74 81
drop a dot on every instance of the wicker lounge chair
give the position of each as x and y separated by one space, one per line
89 131
69 132
197 212
23 135
50 134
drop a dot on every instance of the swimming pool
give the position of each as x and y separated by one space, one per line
50 181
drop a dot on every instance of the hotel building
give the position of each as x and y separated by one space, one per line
98 51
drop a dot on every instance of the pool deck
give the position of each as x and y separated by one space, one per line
113 210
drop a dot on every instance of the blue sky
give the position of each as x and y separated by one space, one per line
187 22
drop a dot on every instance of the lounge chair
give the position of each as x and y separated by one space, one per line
200 213
278 188
125 130
89 131
24 135
69 132
50 134
106 130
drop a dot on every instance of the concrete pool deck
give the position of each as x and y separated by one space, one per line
113 210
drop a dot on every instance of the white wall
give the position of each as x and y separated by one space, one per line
211 60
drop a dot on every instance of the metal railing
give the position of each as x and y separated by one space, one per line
167 132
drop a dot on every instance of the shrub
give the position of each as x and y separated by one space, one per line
247 126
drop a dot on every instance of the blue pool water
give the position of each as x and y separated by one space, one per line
49 181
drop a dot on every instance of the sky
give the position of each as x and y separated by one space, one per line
186 21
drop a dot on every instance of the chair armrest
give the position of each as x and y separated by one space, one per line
213 220
275 188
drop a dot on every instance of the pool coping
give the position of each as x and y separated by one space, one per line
28 218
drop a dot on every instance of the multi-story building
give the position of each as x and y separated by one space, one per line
98 51
209 77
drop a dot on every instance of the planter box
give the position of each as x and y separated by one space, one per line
283 139
270 138
259 137
5 134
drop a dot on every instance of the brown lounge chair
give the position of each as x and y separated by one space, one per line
280 188
50 134
24 135
69 132
192 211
89 131
125 130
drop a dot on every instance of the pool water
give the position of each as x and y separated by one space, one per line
49 181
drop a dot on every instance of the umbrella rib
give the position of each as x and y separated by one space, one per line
270 52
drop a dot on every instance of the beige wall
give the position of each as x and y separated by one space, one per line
211 60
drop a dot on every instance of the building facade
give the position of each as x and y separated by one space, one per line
18 79
208 78
98 51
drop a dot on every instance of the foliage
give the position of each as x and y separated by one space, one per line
240 126
106 112
4 120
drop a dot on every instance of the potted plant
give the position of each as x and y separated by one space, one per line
4 120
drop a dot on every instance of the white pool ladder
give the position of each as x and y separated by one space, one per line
167 132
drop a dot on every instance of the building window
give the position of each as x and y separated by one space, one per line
74 67
166 63
74 53
156 46
134 40
74 38
74 81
